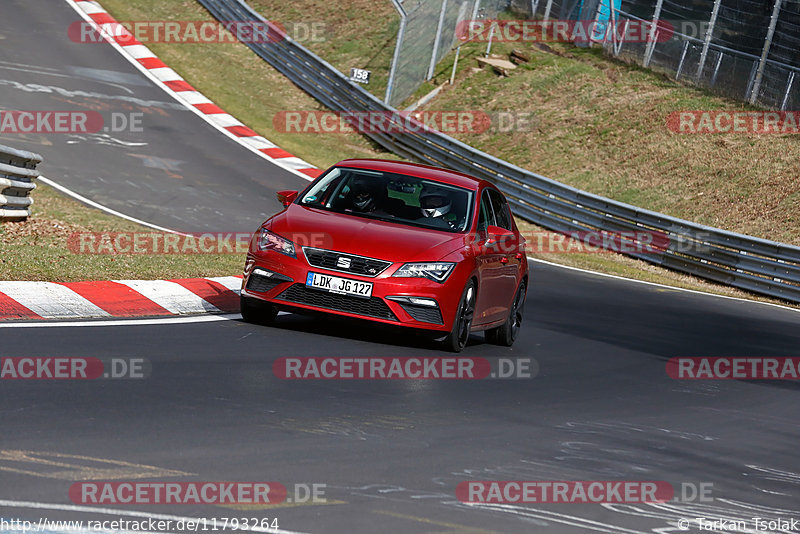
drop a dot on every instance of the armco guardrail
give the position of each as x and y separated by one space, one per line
17 175
737 260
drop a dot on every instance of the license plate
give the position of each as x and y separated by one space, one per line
340 286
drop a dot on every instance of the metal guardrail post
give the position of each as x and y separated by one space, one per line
765 52
17 175
400 34
707 41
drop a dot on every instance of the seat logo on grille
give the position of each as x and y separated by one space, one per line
343 262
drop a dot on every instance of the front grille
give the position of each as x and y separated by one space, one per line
261 283
423 314
371 307
345 263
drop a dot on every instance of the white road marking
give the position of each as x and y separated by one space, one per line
125 513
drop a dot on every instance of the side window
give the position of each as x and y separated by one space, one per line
485 216
501 210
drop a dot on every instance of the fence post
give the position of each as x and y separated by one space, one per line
475 9
455 64
400 33
683 58
547 9
707 41
534 7
436 40
651 41
789 83
765 52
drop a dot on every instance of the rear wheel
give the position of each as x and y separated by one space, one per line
457 339
506 334
257 312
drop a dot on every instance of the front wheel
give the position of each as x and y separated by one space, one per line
256 312
457 339
506 334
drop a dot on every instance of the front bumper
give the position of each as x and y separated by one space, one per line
280 280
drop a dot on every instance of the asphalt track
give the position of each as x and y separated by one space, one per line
390 453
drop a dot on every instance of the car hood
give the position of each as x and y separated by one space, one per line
365 237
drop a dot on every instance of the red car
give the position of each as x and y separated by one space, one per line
395 243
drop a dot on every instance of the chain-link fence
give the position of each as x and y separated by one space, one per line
743 49
428 31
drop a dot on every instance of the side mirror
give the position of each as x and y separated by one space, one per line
287 197
495 235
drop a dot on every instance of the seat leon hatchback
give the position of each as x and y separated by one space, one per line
394 243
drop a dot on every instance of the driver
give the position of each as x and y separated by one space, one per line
436 204
366 194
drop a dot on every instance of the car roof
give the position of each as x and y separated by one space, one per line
417 170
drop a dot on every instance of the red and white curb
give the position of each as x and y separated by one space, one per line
119 298
169 80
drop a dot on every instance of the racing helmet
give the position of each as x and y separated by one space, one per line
365 193
434 204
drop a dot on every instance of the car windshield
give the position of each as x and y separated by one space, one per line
392 197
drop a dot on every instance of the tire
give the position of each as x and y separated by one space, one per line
457 339
506 334
257 312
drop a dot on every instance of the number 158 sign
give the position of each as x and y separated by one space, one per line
359 75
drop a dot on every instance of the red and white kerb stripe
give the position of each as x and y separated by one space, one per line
118 298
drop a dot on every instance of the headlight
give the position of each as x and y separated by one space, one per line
436 271
270 241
